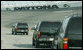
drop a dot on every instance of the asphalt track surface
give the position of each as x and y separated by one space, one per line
9 41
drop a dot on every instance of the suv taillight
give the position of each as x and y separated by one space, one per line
16 28
65 43
38 34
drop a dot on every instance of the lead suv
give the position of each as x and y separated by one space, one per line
20 28
45 33
70 35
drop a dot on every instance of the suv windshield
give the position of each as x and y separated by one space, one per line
22 25
48 26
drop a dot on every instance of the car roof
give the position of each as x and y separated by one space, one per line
50 21
22 23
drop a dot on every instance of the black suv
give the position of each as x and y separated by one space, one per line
70 35
45 33
20 28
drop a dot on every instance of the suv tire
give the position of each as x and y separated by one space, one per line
36 44
27 33
12 32
15 33
33 43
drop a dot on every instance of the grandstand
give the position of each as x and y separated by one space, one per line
38 5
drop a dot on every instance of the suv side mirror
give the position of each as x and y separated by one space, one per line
33 28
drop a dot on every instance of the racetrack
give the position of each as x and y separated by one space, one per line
10 41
